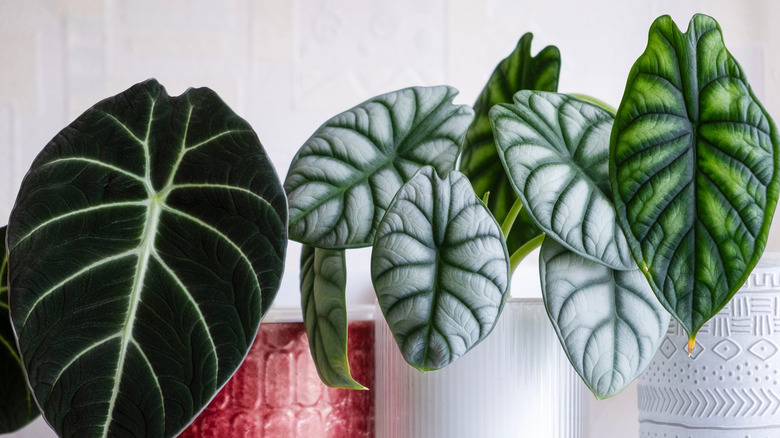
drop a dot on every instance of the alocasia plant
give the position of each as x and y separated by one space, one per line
677 186
146 243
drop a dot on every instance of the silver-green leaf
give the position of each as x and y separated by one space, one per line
146 243
695 169
343 178
555 150
608 321
440 269
324 304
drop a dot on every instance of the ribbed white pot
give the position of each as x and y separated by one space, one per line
730 386
516 383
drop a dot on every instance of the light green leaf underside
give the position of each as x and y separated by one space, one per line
554 149
323 288
147 241
694 169
609 322
343 178
480 162
440 269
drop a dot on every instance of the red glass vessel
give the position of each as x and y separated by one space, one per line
276 393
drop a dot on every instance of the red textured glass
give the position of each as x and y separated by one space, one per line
276 393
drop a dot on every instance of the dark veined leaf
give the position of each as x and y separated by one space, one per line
608 321
343 178
146 243
440 269
323 288
554 148
17 407
480 162
694 170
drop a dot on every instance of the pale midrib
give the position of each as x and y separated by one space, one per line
146 249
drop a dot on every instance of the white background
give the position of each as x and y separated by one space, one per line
288 65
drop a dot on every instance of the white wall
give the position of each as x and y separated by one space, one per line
287 66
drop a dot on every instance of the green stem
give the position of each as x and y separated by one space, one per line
506 227
523 251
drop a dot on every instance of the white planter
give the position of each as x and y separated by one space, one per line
516 383
730 386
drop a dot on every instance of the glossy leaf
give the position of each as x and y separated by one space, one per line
17 407
146 243
343 178
324 304
694 169
554 148
480 162
608 321
440 269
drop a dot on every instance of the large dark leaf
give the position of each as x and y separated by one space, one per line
480 162
344 177
17 407
323 289
694 169
440 269
146 243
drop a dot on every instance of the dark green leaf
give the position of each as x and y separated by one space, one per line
344 177
146 243
694 169
480 162
440 269
609 322
323 288
17 407
554 148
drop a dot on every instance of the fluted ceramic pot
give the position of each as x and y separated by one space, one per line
516 383
730 385
276 393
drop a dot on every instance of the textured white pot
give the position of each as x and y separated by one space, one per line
516 383
730 386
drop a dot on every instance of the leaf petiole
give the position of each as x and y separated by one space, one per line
523 251
506 227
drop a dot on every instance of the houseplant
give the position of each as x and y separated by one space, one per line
603 189
146 243
364 179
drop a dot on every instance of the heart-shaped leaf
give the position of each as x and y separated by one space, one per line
343 178
323 288
480 162
147 241
608 321
554 148
694 169
440 269
17 407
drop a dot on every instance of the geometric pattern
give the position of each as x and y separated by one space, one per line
731 382
277 393
726 349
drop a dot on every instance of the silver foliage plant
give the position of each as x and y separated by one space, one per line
641 212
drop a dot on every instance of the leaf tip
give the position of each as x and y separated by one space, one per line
691 344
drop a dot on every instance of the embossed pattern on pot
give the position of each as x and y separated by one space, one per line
277 392
731 382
